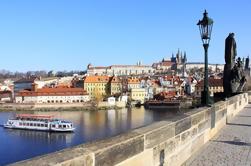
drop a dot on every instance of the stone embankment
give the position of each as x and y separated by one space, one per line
45 107
169 142
59 106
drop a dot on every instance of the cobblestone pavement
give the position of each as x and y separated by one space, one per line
232 146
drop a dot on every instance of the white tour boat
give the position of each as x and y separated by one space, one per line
39 122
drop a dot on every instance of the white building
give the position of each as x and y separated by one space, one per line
198 65
53 95
121 70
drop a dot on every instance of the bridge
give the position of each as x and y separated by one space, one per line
231 146
217 135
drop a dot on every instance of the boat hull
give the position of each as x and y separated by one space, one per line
38 129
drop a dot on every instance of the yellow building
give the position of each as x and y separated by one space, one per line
97 86
133 83
138 94
116 85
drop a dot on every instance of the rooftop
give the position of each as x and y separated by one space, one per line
211 82
97 79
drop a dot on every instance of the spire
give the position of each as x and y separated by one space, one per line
178 54
185 57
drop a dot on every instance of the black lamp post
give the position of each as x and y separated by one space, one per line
205 26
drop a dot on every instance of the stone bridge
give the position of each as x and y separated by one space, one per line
217 135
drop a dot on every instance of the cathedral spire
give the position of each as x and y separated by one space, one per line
185 57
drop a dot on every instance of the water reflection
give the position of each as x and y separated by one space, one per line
41 136
90 126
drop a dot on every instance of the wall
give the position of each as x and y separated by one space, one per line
166 142
49 106
105 104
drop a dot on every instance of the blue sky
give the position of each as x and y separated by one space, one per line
69 34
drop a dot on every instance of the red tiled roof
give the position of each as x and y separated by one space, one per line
34 116
211 83
115 79
165 95
166 63
97 79
59 91
133 81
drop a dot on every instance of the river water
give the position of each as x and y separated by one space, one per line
16 145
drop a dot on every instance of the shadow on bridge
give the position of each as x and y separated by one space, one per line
243 116
239 124
235 142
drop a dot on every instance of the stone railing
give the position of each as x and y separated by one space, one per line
162 143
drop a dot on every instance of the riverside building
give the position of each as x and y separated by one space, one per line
52 95
101 86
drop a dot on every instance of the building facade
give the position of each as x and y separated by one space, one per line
215 86
200 65
120 70
24 84
97 86
116 86
138 94
133 83
52 95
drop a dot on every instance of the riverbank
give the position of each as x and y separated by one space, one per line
58 106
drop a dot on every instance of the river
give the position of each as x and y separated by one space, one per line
16 145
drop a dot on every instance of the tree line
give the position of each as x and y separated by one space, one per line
4 74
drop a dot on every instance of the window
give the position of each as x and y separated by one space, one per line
46 125
53 126
64 126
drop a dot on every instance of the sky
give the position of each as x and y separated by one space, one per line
70 34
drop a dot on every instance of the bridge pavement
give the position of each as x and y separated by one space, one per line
231 146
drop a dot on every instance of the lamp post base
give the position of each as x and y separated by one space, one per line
204 98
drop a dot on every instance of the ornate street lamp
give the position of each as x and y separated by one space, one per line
205 26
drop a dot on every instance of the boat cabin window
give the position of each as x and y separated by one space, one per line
46 125
31 124
60 126
64 126
53 126
20 123
42 125
38 124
